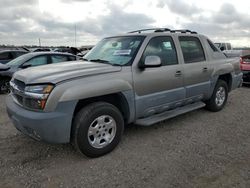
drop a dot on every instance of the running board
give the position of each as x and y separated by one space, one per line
169 114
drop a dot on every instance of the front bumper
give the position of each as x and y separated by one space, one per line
51 127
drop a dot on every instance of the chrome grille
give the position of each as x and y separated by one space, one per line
17 90
19 84
19 98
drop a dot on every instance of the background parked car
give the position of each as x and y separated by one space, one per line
223 46
8 55
41 50
245 68
71 50
30 60
85 50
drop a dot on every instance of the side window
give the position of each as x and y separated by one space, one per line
192 49
162 47
36 61
5 56
212 46
11 55
20 53
58 58
71 58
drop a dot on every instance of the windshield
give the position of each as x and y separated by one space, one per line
19 60
116 50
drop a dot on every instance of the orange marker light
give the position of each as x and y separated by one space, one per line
42 103
48 89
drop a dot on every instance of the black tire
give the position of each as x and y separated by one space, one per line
4 86
211 104
82 122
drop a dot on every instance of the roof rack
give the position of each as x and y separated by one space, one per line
183 31
151 29
156 30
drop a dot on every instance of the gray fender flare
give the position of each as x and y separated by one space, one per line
71 91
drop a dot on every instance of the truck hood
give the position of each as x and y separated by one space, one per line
55 73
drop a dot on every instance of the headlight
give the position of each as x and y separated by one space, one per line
40 89
37 95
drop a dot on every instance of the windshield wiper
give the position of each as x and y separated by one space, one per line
84 59
99 61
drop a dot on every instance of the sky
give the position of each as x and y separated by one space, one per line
23 22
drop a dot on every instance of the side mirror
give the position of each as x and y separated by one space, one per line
151 61
25 65
222 48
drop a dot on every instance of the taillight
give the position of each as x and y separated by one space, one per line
241 62
245 60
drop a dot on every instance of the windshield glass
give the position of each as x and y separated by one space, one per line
19 60
115 50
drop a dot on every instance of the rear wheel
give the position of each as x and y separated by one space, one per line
97 129
219 97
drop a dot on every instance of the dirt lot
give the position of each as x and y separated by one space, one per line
199 149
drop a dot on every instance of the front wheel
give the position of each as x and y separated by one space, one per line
219 97
4 86
97 129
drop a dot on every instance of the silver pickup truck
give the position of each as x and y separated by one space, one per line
142 77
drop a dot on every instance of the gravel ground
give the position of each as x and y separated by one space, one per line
198 149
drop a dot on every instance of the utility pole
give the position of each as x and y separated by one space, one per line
39 42
75 35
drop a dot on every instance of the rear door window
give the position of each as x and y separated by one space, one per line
192 49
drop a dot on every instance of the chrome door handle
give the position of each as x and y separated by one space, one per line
178 73
205 69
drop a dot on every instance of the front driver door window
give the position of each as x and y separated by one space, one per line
37 61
